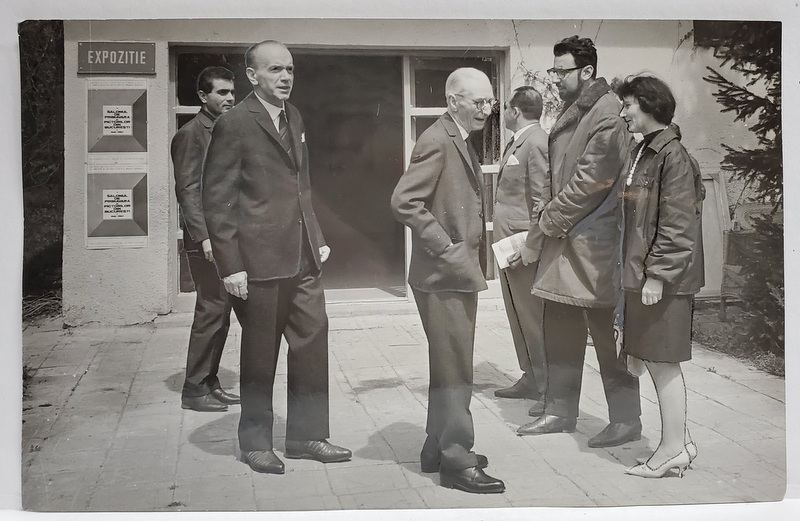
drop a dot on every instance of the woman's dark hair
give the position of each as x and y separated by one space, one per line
653 96
581 49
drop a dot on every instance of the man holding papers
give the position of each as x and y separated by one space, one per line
523 188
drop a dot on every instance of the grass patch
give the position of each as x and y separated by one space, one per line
731 337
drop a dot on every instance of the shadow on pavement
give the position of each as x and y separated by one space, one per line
217 437
175 382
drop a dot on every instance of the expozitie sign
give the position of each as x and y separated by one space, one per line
116 58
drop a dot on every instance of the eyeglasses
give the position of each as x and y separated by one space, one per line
561 73
480 103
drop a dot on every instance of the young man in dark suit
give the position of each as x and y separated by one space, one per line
201 387
440 197
269 251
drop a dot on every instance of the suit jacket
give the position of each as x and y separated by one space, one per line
440 197
522 188
188 149
257 194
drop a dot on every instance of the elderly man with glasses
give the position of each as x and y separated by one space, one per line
440 197
579 272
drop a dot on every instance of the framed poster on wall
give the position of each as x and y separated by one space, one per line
116 163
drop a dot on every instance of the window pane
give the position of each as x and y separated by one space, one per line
184 119
430 76
190 65
421 124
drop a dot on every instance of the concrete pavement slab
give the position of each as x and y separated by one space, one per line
103 428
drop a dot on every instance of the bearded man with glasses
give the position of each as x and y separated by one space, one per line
579 271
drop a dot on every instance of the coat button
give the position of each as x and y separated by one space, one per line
480 214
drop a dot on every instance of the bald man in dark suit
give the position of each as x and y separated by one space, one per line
269 250
440 197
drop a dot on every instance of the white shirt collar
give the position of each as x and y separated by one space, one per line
519 132
273 111
462 130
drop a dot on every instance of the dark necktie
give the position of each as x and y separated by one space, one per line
508 146
283 128
477 166
474 156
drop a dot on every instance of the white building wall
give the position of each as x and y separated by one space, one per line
134 285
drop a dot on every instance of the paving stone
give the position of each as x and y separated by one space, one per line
52 461
58 491
440 497
368 448
142 497
312 483
541 486
137 458
206 491
399 499
110 402
196 459
374 478
199 427
115 472
308 503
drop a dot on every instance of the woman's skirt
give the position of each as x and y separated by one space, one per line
661 332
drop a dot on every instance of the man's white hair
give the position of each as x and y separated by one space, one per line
457 79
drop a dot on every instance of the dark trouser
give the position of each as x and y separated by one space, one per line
212 319
525 318
449 322
294 308
565 329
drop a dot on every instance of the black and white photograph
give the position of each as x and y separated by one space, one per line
444 260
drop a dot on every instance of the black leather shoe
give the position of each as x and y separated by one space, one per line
524 388
205 403
617 433
225 397
430 465
548 424
319 450
537 409
473 480
265 461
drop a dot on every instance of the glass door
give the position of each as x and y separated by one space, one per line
424 78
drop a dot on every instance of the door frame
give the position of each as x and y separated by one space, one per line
498 56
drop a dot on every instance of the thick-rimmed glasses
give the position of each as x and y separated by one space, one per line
480 103
560 73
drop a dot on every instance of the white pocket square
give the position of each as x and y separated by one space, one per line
512 160
303 137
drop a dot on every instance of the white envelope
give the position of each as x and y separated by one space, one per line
512 160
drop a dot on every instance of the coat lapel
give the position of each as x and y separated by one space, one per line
573 113
514 146
461 145
265 122
295 133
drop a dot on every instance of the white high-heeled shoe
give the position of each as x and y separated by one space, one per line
691 448
644 470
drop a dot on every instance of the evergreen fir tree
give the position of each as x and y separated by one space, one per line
754 50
